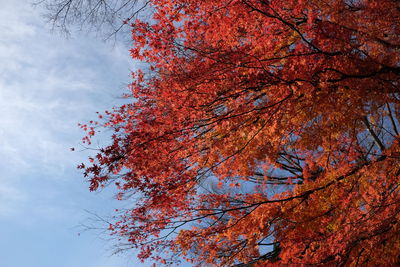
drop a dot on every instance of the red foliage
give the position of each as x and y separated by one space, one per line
294 104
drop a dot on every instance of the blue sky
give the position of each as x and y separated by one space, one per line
48 84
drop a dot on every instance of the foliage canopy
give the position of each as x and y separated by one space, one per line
261 132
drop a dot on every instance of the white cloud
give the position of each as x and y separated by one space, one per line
47 85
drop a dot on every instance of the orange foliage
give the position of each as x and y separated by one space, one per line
294 104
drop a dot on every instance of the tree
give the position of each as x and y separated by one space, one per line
104 17
289 109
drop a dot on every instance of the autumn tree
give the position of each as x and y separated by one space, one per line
289 109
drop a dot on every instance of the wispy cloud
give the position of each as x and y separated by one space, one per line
47 85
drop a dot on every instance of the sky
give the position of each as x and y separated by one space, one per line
49 84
